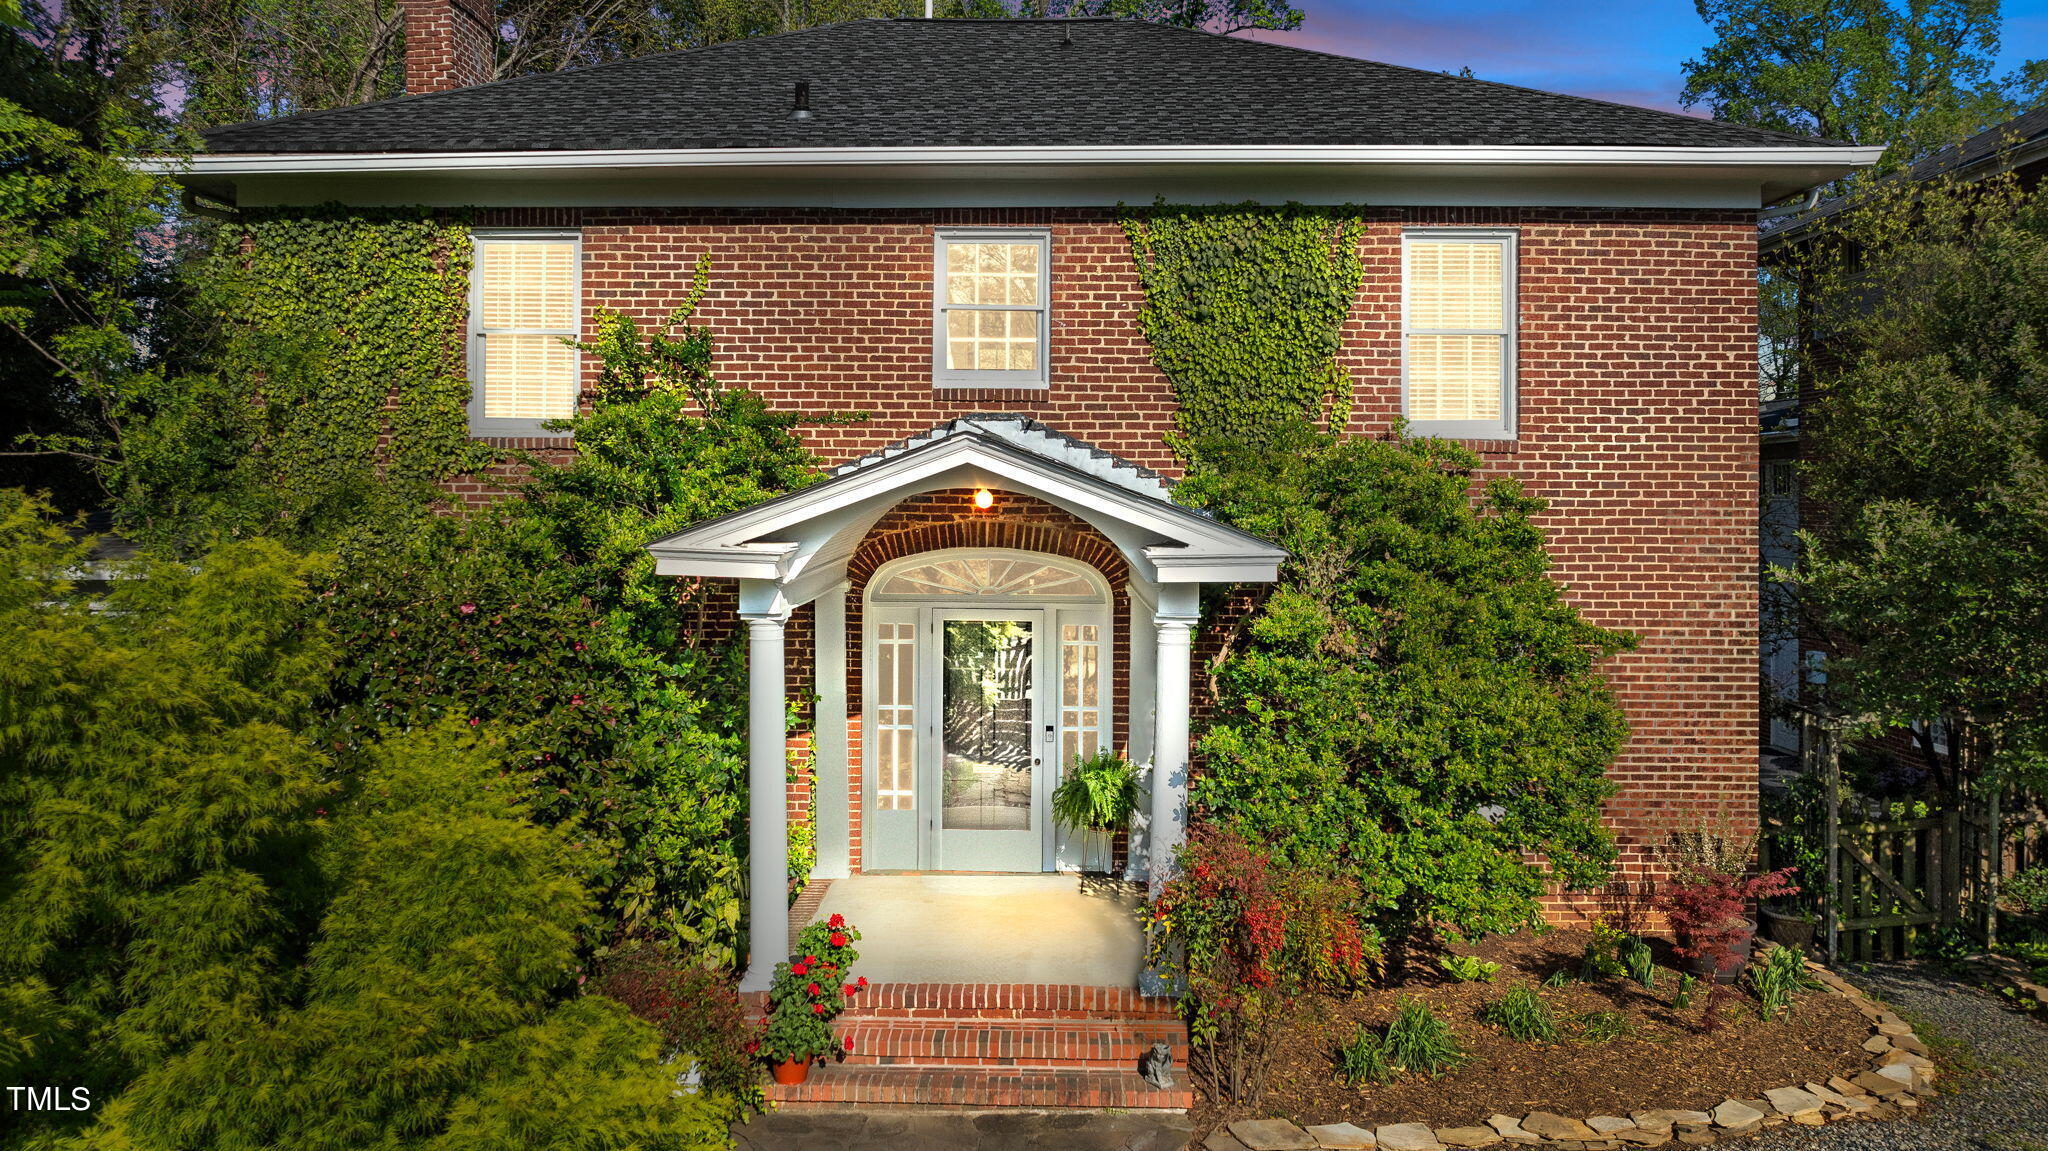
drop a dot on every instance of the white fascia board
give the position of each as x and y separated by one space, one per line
233 164
1176 566
755 561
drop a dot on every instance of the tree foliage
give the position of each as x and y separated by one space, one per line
1414 700
1929 434
1913 74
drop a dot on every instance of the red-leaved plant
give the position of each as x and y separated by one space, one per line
1707 898
1252 935
696 1009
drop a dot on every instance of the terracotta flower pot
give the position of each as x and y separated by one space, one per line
1738 947
790 1072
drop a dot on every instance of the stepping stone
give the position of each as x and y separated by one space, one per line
1665 1119
1272 1135
1342 1135
1609 1124
1467 1136
1506 1124
1221 1141
1407 1137
1556 1127
1794 1101
1734 1113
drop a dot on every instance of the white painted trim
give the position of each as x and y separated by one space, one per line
1509 240
640 158
944 377
473 345
831 815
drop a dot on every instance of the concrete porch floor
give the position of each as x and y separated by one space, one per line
939 928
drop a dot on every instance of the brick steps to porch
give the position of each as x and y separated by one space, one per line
998 1045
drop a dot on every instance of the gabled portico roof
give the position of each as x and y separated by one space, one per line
801 541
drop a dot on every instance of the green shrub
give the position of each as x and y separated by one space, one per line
1522 1014
2028 890
1602 958
1687 985
1364 1059
1559 978
1600 1026
1470 968
1778 978
1641 965
1417 1040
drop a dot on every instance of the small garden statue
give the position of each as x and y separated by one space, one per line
1156 1066
808 993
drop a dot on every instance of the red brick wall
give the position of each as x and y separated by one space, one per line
1637 406
448 44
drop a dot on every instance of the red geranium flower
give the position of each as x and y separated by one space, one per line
813 989
799 969
838 939
753 1046
812 960
863 981
836 921
849 1043
849 989
817 1009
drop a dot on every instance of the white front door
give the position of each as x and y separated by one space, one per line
988 739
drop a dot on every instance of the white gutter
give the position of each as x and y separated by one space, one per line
314 163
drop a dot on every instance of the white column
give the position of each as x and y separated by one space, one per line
835 801
767 802
1175 621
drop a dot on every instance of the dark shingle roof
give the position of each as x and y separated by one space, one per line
919 83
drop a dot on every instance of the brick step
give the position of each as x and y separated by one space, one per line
835 1085
1110 1045
1006 1001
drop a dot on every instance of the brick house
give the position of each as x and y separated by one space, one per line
917 219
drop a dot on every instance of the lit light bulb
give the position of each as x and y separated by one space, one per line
984 499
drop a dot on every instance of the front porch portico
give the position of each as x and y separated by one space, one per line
976 667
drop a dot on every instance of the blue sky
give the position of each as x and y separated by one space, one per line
1626 50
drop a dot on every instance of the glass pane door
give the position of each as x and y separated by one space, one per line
989 746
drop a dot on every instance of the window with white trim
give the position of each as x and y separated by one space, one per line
1458 333
526 295
989 308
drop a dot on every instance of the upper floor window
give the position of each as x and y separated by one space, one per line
526 294
1458 333
989 309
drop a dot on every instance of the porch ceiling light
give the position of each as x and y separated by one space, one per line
984 499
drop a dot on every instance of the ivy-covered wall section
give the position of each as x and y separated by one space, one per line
1245 307
333 381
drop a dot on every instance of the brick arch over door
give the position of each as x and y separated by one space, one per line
935 521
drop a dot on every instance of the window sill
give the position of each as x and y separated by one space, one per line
548 442
982 394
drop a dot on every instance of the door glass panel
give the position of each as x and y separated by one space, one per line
986 746
1080 691
895 732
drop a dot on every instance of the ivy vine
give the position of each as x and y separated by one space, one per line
348 323
1245 307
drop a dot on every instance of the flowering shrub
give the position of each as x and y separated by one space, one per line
1253 935
808 993
697 1011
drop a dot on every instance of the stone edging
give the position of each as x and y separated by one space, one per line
1900 1076
2003 972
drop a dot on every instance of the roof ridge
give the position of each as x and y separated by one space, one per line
1497 84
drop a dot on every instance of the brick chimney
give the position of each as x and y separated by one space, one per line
448 44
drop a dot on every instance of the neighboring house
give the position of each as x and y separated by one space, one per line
2019 146
936 242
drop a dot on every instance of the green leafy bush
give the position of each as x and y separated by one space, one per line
1418 1040
1781 976
1602 958
1415 700
1364 1059
2028 890
1522 1014
1469 968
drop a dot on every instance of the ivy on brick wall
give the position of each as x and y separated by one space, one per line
334 376
1245 307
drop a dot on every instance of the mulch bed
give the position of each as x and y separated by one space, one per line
1664 1062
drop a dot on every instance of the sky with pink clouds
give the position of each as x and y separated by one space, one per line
1625 50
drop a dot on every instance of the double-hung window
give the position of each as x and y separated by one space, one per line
526 295
989 321
1458 333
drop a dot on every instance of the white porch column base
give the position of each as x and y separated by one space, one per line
767 801
1176 616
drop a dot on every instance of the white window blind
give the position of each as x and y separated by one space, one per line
527 297
990 308
1458 341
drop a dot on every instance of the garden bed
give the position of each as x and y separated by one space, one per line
1662 1060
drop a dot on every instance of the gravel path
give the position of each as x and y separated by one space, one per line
2003 1106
